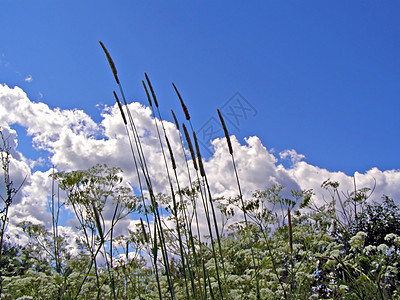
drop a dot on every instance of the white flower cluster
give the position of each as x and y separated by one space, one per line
358 240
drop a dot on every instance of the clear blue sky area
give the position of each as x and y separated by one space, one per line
320 77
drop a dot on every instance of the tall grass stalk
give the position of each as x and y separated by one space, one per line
194 211
186 225
142 163
175 209
188 232
113 223
135 161
193 156
230 148
157 217
291 248
290 231
195 166
149 238
201 169
55 215
155 250
205 203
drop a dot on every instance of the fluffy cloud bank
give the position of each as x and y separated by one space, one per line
74 141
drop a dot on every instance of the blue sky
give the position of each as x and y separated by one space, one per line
309 89
322 76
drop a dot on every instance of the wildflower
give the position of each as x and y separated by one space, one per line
357 240
383 248
369 249
391 236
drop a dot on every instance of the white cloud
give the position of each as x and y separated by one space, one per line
28 78
292 155
75 141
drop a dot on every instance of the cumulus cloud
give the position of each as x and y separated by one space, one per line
44 124
74 141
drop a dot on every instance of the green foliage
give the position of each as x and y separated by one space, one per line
6 199
378 220
323 253
14 260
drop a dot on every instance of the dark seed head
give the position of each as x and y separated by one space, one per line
200 161
110 62
228 139
120 108
185 110
171 153
151 90
144 231
189 142
175 119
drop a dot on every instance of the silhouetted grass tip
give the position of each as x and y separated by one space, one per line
110 61
120 107
151 90
185 110
190 145
228 139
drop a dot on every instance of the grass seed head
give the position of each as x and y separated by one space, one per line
171 153
151 90
120 107
228 139
110 62
189 142
144 231
185 110
175 119
200 161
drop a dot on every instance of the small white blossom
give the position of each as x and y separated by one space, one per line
369 249
391 236
357 240
383 248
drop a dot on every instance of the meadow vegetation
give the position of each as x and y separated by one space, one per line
267 246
